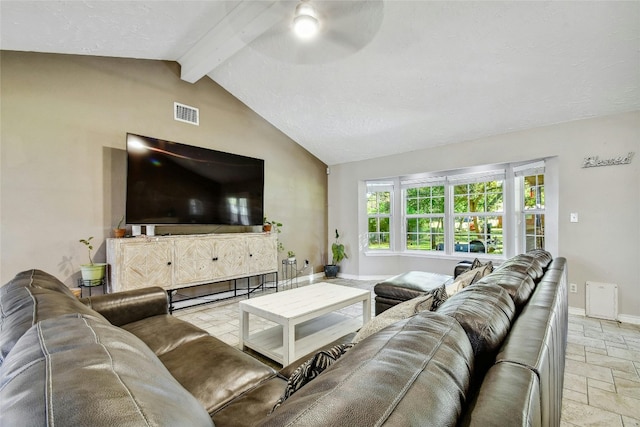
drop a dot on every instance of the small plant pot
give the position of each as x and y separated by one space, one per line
291 260
119 232
331 271
266 228
92 275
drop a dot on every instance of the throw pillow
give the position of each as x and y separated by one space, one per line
392 315
470 277
475 264
311 369
439 296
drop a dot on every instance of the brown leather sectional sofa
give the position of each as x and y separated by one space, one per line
492 354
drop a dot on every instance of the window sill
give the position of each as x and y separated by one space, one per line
456 257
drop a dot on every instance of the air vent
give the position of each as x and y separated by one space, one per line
184 113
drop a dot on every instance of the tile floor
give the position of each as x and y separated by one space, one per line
602 373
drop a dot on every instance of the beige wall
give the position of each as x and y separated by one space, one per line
63 123
604 246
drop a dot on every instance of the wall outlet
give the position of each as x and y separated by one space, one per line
573 288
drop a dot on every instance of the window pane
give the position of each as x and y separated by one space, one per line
482 234
412 206
460 204
384 241
437 205
372 203
534 230
384 225
412 241
384 202
373 225
412 225
534 192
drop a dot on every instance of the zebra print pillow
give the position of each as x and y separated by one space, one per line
311 369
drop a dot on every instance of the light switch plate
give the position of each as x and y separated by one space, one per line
574 217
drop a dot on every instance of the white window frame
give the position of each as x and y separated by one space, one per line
406 184
520 172
476 178
514 233
379 186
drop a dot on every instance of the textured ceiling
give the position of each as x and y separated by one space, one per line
383 77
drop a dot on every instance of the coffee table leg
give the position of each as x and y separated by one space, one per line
366 310
244 327
288 343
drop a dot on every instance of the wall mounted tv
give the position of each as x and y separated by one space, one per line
172 183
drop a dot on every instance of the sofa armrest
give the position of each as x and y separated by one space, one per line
125 307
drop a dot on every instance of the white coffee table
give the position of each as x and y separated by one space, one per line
306 319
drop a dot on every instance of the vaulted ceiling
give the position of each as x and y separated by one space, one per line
382 77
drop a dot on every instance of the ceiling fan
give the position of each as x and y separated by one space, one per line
345 27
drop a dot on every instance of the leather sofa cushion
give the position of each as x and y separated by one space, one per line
24 306
164 333
519 285
543 257
485 312
251 407
120 308
523 264
35 279
76 370
509 396
415 372
213 371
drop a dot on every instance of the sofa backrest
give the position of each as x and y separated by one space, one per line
414 372
536 343
78 370
30 297
485 312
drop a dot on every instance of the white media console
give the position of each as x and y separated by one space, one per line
182 261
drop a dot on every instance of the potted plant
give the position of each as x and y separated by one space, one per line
291 257
268 226
338 252
119 232
92 273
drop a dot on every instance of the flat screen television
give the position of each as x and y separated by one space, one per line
172 183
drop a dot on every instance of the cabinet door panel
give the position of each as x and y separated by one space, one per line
263 255
194 260
146 264
232 257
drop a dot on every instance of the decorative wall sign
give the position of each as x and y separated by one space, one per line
594 161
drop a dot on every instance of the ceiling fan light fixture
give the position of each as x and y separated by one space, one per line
305 23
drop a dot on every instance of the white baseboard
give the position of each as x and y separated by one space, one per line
355 277
577 311
626 318
622 318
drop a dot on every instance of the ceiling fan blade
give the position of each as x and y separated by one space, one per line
346 28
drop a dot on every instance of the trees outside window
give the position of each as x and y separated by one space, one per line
533 211
474 211
424 216
478 217
379 218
